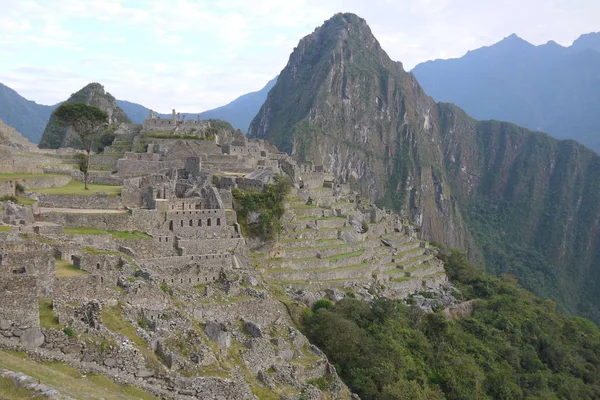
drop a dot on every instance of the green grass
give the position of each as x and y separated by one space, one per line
93 250
89 230
10 177
113 319
6 228
327 240
64 269
69 381
10 390
48 317
402 279
76 187
344 255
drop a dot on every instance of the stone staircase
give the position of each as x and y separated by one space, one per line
323 245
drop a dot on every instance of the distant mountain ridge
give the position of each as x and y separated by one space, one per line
30 118
549 87
26 116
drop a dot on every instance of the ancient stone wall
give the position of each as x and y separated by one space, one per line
7 188
91 201
30 258
221 260
159 246
80 287
104 159
191 275
130 168
214 246
19 302
114 221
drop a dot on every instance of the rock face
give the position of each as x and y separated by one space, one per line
57 135
517 201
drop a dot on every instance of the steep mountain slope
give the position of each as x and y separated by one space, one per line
24 115
517 200
238 113
550 88
58 135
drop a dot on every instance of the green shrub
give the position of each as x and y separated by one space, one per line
8 198
323 303
68 331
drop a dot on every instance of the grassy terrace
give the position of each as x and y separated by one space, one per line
92 250
330 258
76 187
64 269
5 228
10 390
88 230
48 317
321 269
11 177
68 380
330 218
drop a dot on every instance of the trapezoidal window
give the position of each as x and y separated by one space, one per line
218 221
208 221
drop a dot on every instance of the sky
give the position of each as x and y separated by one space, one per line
195 55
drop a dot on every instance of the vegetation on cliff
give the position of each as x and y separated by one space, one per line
514 345
259 213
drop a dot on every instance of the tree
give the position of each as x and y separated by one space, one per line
86 122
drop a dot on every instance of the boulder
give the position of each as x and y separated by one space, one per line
32 337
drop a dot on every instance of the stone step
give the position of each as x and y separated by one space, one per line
397 239
305 233
323 250
333 261
309 211
408 254
328 222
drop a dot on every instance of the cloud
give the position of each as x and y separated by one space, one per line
199 54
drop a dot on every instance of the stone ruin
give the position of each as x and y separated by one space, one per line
188 282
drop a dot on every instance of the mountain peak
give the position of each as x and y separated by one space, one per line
588 41
514 40
57 135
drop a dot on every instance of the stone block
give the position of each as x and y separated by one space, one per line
5 324
217 334
110 362
72 349
32 337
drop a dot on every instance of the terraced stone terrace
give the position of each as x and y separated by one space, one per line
326 244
